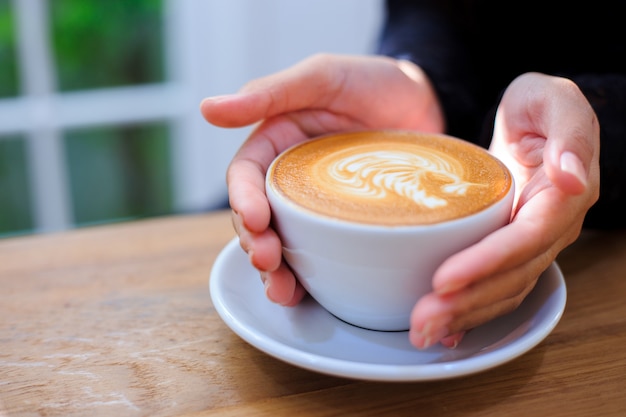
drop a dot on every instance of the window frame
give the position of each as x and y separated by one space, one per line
194 69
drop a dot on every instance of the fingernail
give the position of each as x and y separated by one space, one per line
448 288
423 342
267 286
431 334
451 342
455 342
216 99
571 164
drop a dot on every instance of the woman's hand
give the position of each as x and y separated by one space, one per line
322 94
548 135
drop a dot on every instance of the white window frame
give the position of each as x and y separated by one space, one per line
212 47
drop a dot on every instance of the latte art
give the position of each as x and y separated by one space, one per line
375 174
389 178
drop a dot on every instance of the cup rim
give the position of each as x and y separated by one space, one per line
311 215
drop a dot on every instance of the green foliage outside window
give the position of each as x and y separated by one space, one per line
14 198
107 43
115 172
8 60
119 173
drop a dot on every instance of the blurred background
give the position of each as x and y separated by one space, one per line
99 117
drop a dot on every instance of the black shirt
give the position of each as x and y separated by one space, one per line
472 50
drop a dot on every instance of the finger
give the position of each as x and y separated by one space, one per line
281 286
246 173
480 316
445 318
451 333
234 110
572 162
492 277
501 251
474 307
265 251
546 222
247 196
486 298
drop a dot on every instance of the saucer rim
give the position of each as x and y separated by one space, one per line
379 371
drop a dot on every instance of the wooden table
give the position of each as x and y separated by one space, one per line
117 321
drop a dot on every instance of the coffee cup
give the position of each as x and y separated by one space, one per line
366 218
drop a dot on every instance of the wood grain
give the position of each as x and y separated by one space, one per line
117 321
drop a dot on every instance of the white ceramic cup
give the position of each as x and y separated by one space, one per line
372 275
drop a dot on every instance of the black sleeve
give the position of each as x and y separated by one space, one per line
437 36
429 33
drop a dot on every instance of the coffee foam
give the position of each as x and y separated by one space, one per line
390 178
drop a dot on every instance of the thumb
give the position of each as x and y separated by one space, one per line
572 145
551 115
568 172
233 110
309 83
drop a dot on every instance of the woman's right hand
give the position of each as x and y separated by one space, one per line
322 94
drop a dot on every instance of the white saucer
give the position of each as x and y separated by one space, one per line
309 337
